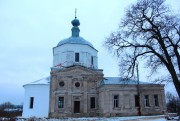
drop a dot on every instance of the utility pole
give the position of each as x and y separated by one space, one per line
138 91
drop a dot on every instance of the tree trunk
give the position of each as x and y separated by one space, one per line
175 79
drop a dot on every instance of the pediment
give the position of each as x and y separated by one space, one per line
78 70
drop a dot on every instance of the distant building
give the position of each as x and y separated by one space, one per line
76 87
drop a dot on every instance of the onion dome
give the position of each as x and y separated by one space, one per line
75 22
75 38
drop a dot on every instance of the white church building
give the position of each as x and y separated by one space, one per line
76 87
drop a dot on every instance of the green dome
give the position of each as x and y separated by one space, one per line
75 40
75 22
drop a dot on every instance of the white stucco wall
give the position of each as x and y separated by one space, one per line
65 55
40 92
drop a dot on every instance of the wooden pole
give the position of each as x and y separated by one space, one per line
138 91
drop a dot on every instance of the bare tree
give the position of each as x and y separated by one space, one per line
173 103
10 110
150 32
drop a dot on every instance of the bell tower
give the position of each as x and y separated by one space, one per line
75 50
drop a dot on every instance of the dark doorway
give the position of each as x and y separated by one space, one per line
76 106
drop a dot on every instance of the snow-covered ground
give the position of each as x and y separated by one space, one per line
130 118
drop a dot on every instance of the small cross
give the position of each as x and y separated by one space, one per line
75 12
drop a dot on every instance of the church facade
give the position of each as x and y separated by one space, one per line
77 87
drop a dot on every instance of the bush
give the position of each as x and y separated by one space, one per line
8 110
173 103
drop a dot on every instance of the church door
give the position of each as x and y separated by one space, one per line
76 106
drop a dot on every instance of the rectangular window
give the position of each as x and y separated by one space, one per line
156 102
61 102
76 57
92 100
146 100
116 101
31 102
92 60
136 98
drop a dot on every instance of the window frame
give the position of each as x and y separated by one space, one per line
60 102
31 103
77 84
61 83
146 101
92 102
156 100
92 60
136 100
77 57
116 101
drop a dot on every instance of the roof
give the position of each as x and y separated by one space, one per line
119 80
106 81
74 65
42 81
75 40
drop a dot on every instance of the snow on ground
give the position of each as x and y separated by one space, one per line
130 118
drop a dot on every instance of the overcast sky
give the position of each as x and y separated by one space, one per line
29 29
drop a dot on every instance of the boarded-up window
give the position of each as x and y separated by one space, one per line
95 61
31 104
69 58
88 61
83 58
92 100
126 99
